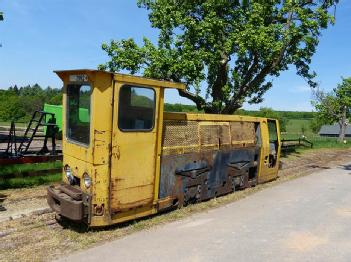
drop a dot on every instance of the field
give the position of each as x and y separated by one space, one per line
299 126
296 128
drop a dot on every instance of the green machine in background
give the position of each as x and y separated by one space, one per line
57 110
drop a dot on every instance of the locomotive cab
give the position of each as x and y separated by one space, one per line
111 124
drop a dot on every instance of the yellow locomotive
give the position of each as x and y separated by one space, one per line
125 158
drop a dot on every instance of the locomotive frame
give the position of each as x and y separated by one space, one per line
131 159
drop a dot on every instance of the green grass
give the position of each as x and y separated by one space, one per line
21 182
328 142
18 170
298 126
18 124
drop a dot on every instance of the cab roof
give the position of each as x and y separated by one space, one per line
122 78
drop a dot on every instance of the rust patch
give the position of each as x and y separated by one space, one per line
121 207
98 132
166 203
116 152
99 210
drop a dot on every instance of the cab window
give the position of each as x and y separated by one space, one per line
78 113
136 110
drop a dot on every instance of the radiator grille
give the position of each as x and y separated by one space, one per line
180 133
180 137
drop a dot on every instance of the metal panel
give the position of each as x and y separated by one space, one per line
242 132
194 177
266 171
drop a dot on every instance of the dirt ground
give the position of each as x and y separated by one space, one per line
29 231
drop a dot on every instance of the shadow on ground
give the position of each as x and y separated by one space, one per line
346 167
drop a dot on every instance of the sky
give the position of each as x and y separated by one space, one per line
38 37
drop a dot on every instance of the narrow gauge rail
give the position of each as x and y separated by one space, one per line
129 159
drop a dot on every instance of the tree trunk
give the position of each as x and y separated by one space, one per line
343 125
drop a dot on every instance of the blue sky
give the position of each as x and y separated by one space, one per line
41 36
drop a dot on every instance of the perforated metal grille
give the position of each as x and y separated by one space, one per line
180 133
180 137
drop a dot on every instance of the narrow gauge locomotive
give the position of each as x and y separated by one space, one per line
125 158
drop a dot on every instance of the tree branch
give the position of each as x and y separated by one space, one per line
198 100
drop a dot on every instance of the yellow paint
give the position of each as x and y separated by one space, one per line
125 166
158 145
265 172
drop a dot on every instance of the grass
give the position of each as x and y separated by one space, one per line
297 125
19 181
18 169
18 124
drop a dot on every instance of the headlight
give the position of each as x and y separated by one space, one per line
68 173
87 180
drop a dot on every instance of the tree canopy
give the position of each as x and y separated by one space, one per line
335 106
232 49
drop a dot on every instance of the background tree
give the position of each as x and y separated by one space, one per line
270 113
335 106
233 48
19 103
316 123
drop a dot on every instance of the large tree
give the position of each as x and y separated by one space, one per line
233 48
335 106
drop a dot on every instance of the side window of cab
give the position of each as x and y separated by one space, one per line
136 110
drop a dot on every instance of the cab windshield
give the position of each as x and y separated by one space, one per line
78 113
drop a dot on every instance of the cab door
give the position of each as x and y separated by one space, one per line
133 147
270 150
